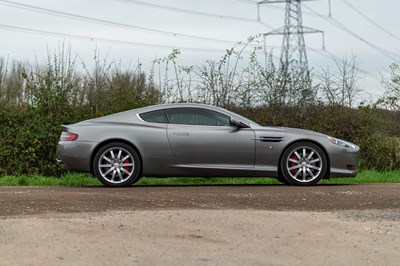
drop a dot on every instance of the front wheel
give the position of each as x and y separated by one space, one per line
117 165
303 164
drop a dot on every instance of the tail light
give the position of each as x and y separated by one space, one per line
68 136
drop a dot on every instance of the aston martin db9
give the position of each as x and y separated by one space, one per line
199 140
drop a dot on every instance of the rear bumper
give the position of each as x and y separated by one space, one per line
62 164
75 155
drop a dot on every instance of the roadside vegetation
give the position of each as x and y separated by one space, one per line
37 98
85 180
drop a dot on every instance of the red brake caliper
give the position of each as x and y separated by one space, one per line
292 164
126 167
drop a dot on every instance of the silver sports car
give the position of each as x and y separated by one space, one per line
199 140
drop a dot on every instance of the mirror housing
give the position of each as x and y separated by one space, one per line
236 123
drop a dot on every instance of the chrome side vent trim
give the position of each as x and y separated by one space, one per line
269 139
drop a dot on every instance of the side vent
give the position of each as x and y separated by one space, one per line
270 139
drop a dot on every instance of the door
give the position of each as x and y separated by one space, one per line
204 137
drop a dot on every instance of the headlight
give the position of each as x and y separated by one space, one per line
342 143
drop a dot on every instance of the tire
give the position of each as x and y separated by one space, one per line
117 165
303 164
281 179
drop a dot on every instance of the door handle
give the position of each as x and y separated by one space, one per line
181 134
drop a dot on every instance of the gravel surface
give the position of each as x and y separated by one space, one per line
38 200
201 225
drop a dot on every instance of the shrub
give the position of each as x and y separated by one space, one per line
54 94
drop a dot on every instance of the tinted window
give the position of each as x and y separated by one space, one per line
154 117
196 116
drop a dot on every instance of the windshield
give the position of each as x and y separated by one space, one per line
242 118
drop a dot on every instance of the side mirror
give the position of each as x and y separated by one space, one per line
237 123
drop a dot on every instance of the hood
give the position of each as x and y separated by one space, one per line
291 130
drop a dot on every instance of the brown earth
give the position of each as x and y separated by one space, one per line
40 200
201 225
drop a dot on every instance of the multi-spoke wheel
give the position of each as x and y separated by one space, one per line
303 163
117 164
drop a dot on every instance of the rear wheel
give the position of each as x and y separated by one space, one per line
117 165
303 164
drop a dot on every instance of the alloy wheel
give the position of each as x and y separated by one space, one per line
304 164
116 165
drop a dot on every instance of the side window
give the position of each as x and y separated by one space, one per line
154 117
196 116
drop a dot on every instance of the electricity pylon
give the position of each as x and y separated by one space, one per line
293 53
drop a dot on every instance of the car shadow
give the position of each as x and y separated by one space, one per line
226 185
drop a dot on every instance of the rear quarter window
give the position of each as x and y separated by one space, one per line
154 117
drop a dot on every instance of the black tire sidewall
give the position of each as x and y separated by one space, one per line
285 173
281 179
135 175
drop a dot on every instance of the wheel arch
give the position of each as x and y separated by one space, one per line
327 174
108 141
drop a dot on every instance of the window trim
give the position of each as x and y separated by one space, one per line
188 107
163 110
201 108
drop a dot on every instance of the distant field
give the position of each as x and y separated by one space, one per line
74 179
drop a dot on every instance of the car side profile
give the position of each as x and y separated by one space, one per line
197 140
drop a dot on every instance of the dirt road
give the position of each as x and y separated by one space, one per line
201 225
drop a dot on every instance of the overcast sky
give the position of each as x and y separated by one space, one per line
369 29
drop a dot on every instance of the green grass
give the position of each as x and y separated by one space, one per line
79 180
66 180
366 177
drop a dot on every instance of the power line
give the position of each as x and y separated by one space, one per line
187 11
147 45
198 13
89 38
370 20
362 2
324 52
247 2
269 6
106 22
342 27
383 51
330 55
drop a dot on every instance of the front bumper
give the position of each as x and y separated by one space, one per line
343 162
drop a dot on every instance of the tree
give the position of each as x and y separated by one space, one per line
391 97
340 87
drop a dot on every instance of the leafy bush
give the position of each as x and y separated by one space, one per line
52 95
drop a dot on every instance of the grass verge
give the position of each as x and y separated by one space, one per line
84 180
